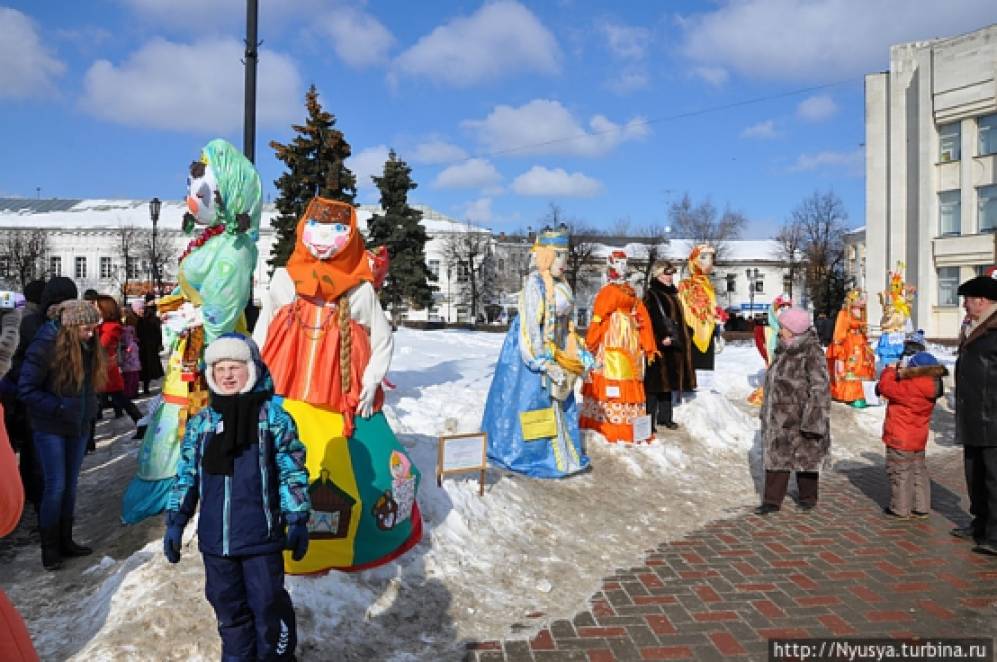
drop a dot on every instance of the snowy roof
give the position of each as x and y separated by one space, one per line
679 249
111 214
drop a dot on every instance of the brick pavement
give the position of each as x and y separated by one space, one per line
843 569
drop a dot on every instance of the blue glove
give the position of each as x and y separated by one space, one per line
297 535
175 523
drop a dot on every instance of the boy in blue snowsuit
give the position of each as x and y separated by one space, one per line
241 458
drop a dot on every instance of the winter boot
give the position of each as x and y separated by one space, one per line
134 412
51 558
67 547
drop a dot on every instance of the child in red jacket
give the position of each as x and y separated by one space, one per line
911 391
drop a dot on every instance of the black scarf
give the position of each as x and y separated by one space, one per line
240 428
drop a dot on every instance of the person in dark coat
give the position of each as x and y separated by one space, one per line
54 292
150 342
796 413
672 371
975 407
63 370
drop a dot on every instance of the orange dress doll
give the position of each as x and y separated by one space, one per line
619 336
850 360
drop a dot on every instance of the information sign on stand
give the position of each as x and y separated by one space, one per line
462 453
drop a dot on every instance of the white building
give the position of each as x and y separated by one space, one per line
931 172
84 243
855 257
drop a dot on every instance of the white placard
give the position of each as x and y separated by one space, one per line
463 453
642 428
869 390
612 391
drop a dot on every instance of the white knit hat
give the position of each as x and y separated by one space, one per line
229 348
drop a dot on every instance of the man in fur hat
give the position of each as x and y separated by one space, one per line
976 400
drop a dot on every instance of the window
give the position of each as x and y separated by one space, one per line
106 270
948 283
4 266
759 285
80 267
949 139
501 266
582 316
988 134
132 268
949 213
988 208
55 265
434 268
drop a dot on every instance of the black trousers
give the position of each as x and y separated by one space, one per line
659 407
777 483
980 463
255 614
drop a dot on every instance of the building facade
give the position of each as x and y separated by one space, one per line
931 172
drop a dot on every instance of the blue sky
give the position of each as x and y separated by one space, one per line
611 110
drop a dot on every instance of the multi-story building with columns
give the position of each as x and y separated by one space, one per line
931 172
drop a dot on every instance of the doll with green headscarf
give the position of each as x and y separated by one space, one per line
214 279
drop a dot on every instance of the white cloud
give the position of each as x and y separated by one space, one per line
473 173
762 131
191 87
359 39
628 81
27 67
816 108
501 38
544 126
366 163
437 151
478 211
806 40
853 162
715 76
626 42
541 181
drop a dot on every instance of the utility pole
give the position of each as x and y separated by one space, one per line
250 61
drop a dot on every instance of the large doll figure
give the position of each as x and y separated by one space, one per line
328 345
896 302
621 337
850 360
699 304
214 281
540 362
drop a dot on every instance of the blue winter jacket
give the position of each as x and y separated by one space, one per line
243 514
64 415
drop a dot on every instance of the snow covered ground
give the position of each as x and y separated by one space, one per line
488 567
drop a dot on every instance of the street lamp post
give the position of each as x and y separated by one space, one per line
449 272
154 206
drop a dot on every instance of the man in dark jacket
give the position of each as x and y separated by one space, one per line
976 402
242 459
825 329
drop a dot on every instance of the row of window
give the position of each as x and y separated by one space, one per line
134 268
950 138
948 284
950 210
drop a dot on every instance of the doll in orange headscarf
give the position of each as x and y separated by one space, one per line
328 345
850 360
621 337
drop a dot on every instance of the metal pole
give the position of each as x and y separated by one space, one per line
155 257
251 57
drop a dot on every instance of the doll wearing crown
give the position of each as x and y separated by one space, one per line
531 417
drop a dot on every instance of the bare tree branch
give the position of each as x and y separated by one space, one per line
821 218
703 224
792 242
25 252
470 256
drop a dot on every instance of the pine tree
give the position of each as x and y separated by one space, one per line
400 230
315 161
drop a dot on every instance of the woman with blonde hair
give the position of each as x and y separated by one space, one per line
64 369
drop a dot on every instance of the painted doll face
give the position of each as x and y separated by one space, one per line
705 261
202 193
559 264
324 240
618 268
